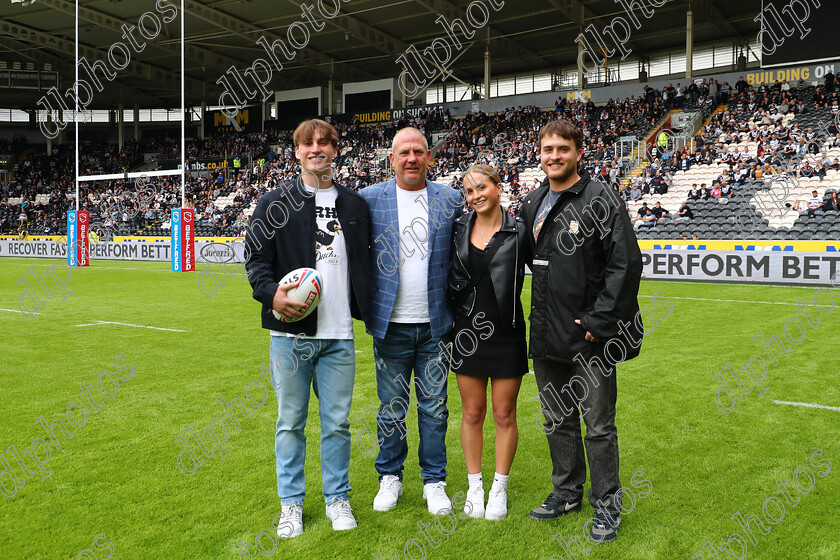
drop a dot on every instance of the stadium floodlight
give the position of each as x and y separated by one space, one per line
24 3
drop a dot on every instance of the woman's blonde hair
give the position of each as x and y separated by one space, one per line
485 171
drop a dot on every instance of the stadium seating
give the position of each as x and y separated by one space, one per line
770 207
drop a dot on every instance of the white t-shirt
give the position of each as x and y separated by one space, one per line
331 262
412 305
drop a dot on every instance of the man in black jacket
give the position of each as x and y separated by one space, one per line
316 223
584 320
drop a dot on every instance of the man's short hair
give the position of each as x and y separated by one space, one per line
406 129
304 131
563 129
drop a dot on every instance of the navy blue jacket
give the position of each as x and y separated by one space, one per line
281 237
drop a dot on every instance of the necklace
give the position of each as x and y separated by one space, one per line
485 238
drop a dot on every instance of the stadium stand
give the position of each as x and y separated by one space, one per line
760 153
766 151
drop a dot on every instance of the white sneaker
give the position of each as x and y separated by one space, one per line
291 521
435 495
496 503
390 490
474 506
341 514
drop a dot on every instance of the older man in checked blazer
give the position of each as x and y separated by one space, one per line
411 222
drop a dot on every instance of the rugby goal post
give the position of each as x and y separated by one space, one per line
182 220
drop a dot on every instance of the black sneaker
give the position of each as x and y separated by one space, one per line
554 506
604 527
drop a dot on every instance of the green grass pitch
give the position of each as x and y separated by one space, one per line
115 487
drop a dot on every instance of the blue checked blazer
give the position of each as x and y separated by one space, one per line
445 205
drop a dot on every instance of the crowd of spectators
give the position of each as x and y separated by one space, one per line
762 114
765 117
508 139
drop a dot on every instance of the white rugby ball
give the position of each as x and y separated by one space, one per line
308 287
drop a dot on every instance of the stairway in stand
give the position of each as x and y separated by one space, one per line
640 153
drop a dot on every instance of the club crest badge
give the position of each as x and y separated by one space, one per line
574 227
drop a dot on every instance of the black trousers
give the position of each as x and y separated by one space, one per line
566 391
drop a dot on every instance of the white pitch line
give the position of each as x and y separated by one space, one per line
809 405
128 325
11 310
727 300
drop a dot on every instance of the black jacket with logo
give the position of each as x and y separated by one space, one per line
281 238
586 265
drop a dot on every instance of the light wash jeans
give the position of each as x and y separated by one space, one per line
329 366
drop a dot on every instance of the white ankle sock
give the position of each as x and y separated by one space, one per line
475 480
501 480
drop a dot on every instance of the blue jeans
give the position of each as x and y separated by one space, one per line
330 367
408 347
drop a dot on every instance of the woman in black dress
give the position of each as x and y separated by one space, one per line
486 274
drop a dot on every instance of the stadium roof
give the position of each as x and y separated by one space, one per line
360 43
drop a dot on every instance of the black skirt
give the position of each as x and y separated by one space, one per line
481 345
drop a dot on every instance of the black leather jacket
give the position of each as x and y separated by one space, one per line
507 267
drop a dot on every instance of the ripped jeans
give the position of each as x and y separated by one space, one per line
411 347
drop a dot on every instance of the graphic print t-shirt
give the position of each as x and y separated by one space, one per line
334 320
545 207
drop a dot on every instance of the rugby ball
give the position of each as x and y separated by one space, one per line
308 288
